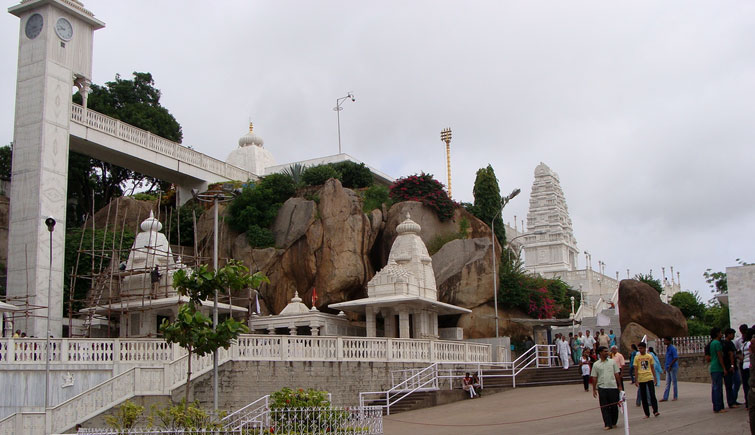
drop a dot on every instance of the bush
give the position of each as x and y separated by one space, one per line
354 175
257 206
437 242
318 175
374 197
143 196
259 237
425 189
125 416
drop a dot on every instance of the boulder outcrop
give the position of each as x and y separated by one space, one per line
639 303
632 334
481 323
464 273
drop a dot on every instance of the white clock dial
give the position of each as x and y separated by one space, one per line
34 26
64 29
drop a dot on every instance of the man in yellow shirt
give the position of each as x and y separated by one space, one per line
644 370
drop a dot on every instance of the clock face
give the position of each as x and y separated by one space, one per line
34 26
64 29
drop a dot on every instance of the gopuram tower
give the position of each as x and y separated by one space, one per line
551 246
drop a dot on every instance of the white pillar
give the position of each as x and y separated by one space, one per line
403 321
370 321
292 330
390 322
314 329
271 330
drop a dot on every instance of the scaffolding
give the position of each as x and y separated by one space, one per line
116 286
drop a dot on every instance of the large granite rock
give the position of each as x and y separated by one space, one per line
639 303
632 334
134 211
464 273
325 245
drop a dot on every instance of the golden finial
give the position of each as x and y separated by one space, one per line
251 127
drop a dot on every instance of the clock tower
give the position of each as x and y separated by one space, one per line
54 56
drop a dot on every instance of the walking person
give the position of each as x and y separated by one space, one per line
644 368
731 377
605 386
670 368
585 366
717 371
612 336
619 359
564 352
589 341
746 365
631 362
576 352
603 339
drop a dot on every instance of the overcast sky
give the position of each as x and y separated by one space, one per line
645 109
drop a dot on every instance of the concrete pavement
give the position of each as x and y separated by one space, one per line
567 409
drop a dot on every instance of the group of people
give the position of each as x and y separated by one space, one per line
471 384
571 349
729 368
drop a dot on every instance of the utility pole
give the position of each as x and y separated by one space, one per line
445 136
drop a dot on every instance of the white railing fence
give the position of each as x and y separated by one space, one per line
147 140
293 421
684 345
87 351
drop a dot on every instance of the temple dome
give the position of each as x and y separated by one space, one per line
251 138
151 224
408 226
294 307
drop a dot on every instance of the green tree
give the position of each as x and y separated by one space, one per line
6 160
354 175
487 201
255 208
717 281
649 280
295 171
191 329
689 304
136 102
318 175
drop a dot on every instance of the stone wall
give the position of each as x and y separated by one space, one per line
242 382
692 368
741 281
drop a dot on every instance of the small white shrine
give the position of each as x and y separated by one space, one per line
403 293
297 319
146 293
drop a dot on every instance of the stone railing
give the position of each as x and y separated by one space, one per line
163 366
87 351
147 140
684 345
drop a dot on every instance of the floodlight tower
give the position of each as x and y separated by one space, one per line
445 136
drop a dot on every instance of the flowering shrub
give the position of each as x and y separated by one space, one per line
425 189
288 398
542 306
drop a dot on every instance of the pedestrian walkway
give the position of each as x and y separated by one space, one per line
525 411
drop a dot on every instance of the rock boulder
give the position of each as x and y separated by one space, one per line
632 334
464 273
639 303
481 323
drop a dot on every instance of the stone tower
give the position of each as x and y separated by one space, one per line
54 55
551 247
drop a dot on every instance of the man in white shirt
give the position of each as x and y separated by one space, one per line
589 341
564 351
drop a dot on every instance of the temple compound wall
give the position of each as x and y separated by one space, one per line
242 382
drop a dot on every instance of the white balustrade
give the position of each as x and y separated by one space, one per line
684 345
147 140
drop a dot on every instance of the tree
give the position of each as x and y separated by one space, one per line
425 189
318 175
191 329
718 281
487 201
136 102
649 280
689 304
354 175
6 160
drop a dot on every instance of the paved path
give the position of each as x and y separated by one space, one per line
499 414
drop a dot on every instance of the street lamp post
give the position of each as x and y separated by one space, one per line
216 197
573 315
504 200
50 222
337 109
445 136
